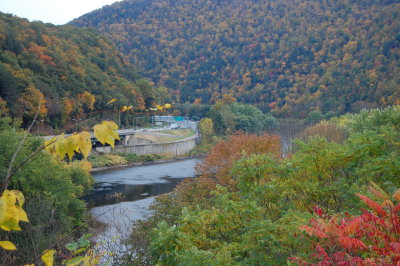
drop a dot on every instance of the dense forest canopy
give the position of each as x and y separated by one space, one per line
287 56
74 71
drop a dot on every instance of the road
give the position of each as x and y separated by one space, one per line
132 131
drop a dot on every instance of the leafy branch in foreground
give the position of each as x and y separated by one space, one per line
11 201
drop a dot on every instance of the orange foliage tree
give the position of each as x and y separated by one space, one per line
328 130
220 159
40 52
68 106
140 103
86 100
28 103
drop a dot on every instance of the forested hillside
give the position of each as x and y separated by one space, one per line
290 57
76 70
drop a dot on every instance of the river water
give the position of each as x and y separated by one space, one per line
121 196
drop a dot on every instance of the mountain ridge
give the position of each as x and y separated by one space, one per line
288 57
75 70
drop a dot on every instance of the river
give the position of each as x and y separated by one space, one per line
121 196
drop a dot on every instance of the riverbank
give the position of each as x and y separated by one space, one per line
161 161
122 195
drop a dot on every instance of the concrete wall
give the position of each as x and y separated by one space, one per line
178 147
132 140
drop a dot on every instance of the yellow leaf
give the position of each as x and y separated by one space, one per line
22 214
87 260
48 257
124 108
99 133
70 147
159 107
106 132
7 245
29 264
86 143
167 106
112 100
11 202
67 145
130 107
76 140
11 220
80 143
19 197
61 146
10 224
3 209
110 140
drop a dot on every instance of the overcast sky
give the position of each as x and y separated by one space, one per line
53 11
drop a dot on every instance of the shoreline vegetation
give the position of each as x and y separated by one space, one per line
159 161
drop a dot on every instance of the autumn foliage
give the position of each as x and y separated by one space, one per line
72 72
372 238
221 158
289 57
328 130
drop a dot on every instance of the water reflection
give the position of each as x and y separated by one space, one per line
111 193
136 183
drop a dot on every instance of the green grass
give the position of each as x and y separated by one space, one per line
138 158
157 138
184 133
121 158
167 135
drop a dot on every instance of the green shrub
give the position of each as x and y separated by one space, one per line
130 157
104 160
121 158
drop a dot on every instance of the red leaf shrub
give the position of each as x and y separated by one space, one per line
372 238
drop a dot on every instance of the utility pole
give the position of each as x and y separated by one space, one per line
38 126
119 118
76 123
